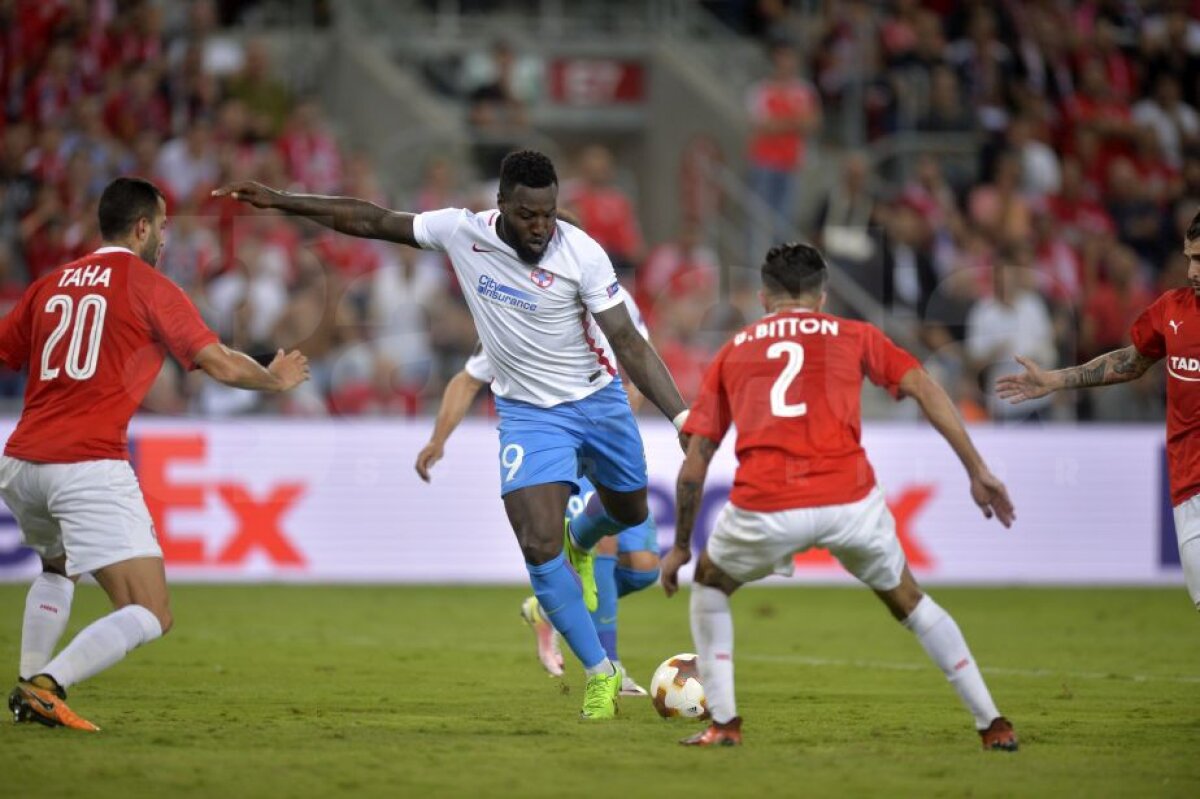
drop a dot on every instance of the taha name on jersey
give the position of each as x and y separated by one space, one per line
85 276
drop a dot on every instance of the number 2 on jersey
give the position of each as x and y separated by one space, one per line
795 356
80 362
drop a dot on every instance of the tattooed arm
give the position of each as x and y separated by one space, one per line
1118 366
689 490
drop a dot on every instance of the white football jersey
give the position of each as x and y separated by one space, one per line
479 367
533 321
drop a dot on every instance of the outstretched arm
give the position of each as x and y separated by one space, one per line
640 361
239 370
689 490
456 401
347 215
1118 366
986 489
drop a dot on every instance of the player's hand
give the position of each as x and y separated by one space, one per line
291 369
992 497
670 567
1034 382
430 454
248 191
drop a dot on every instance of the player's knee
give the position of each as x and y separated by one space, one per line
632 580
607 546
538 552
629 510
641 560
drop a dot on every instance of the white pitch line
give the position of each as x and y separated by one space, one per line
804 660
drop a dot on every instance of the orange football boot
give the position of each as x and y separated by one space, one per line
41 699
1000 735
727 734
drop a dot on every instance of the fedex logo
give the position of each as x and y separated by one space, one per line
259 516
905 505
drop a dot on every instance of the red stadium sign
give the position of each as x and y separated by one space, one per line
596 82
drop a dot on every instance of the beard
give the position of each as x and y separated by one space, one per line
529 256
149 252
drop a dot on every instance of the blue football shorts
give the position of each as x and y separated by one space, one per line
596 436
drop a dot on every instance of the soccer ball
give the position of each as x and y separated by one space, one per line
675 688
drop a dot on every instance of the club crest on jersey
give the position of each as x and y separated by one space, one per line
491 289
613 289
541 278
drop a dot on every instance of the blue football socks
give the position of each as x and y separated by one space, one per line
557 589
605 615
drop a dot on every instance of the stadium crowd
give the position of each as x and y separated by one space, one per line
1088 163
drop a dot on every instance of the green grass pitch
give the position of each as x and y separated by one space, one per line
384 691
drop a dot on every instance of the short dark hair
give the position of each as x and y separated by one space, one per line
526 168
124 202
794 269
1193 231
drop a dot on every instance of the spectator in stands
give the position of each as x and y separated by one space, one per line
310 153
1043 60
137 106
1075 209
56 88
908 275
1114 300
784 112
1094 108
1176 123
1138 220
1013 321
1039 168
912 68
985 65
401 297
845 220
1171 46
943 331
267 100
673 264
948 111
499 117
187 164
604 210
1056 264
998 208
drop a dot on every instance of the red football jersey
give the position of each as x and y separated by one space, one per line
791 383
94 333
1170 328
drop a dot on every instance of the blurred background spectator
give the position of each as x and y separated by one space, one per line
994 178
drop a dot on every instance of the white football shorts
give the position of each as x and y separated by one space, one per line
92 511
749 545
1187 531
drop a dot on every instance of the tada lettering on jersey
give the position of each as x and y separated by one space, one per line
1180 364
85 276
787 327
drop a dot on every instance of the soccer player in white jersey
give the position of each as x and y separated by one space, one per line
530 280
624 564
